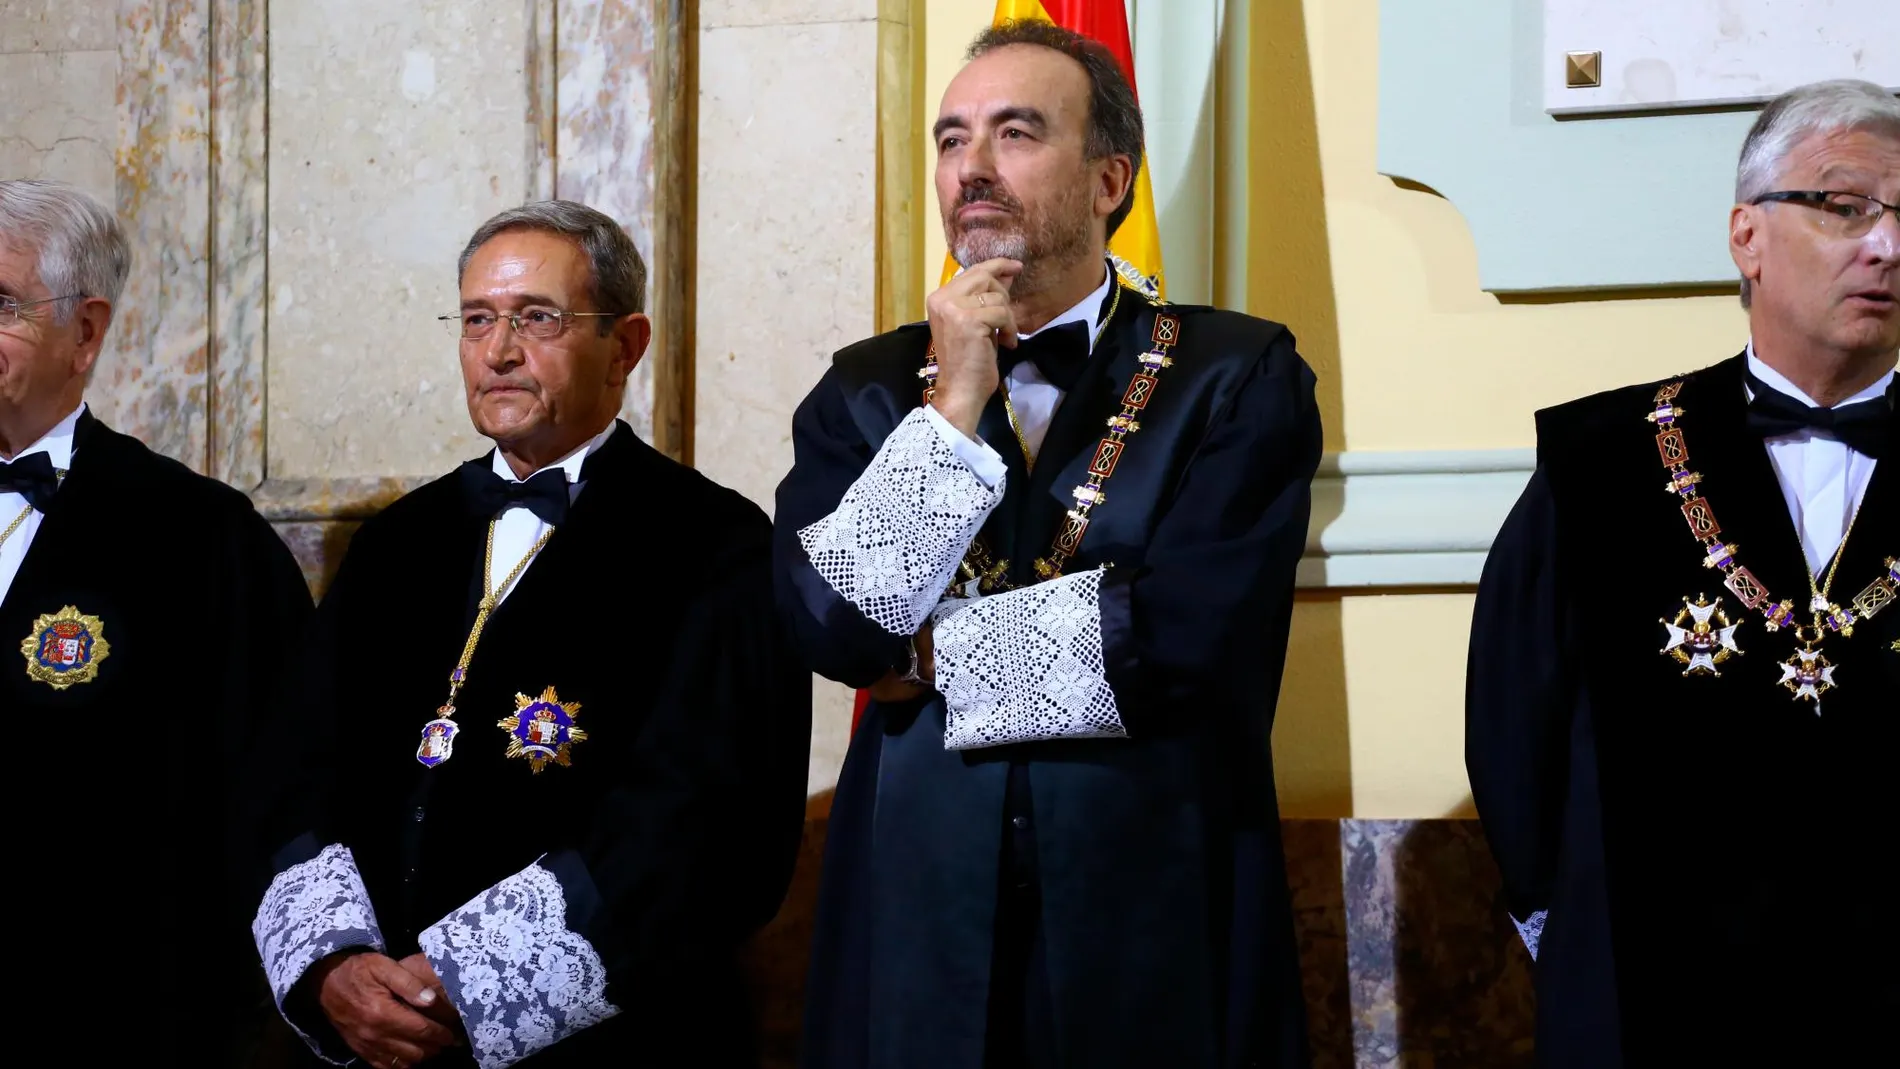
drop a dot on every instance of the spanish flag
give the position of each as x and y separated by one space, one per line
1136 247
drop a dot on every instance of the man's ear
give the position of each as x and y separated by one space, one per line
91 319
1114 184
632 334
1746 238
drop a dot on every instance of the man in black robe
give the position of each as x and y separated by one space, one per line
1684 685
1055 839
559 860
148 612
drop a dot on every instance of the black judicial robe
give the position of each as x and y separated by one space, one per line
130 788
672 832
1711 856
1165 917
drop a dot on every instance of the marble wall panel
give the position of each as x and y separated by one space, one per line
786 269
58 26
393 134
151 381
726 13
604 136
66 128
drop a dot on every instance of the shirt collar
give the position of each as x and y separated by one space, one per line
1776 379
57 443
571 463
1087 310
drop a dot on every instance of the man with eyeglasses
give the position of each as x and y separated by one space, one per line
555 744
1684 688
148 615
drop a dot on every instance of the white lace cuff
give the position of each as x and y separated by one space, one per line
1025 666
982 460
1532 930
312 910
893 544
521 981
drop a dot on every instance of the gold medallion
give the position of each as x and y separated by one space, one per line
542 729
1701 636
65 648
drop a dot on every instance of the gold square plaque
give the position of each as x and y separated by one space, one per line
1583 70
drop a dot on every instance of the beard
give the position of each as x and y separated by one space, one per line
1041 237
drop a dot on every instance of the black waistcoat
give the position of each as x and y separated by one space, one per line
1743 830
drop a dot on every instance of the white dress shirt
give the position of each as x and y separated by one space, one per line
517 530
1033 397
1822 479
57 444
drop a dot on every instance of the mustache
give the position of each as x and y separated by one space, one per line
988 193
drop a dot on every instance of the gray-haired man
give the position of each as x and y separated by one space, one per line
147 613
554 762
1681 716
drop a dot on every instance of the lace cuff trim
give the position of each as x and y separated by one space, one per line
1532 930
893 544
520 979
312 910
1025 666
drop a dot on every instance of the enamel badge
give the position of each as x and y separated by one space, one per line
1808 675
1701 637
65 648
542 729
438 738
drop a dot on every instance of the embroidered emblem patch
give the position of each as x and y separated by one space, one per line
65 648
1701 636
542 729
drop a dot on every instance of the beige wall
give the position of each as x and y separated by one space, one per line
789 245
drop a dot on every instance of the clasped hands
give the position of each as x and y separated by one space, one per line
394 1014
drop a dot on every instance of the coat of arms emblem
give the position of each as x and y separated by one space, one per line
542 729
65 648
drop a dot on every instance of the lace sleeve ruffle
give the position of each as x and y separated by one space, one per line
1025 666
520 979
313 909
892 545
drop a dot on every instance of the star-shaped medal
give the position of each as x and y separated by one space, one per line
1808 675
542 730
1701 636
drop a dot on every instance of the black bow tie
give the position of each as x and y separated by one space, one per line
1864 426
544 493
1060 353
32 477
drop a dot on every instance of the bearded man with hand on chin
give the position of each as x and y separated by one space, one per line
1054 529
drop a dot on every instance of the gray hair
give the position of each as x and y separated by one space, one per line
78 246
617 279
1844 104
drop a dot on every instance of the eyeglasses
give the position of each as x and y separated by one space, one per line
13 311
1851 215
537 323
